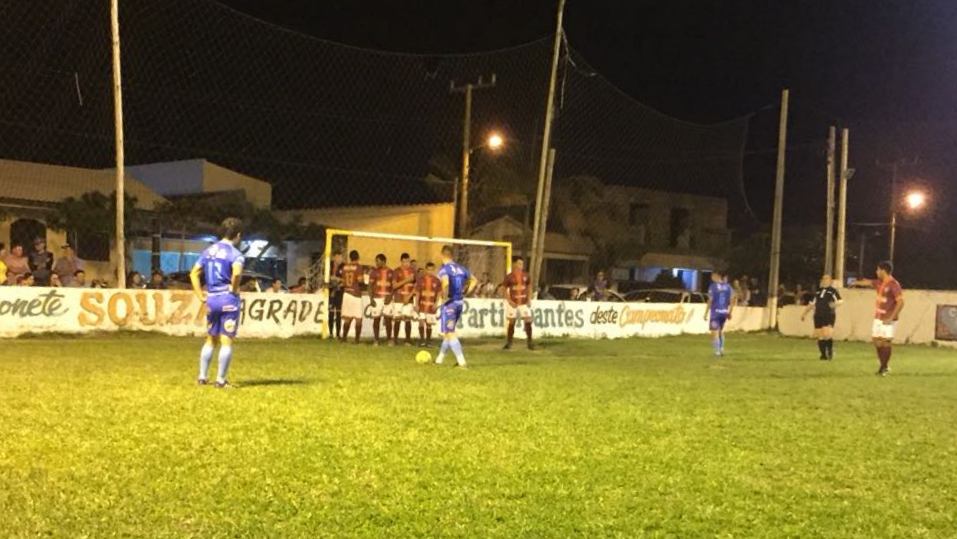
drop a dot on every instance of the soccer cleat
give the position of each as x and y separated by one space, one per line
225 385
531 345
508 346
202 382
462 367
823 358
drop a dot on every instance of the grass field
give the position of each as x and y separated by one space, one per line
108 436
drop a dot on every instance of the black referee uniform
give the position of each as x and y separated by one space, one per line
825 315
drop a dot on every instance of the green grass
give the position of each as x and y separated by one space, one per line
108 436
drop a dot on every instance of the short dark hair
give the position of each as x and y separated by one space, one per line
232 227
448 250
379 257
353 255
79 271
720 273
516 259
276 280
405 256
156 272
887 266
303 280
430 264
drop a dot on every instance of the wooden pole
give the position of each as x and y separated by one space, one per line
775 273
539 256
840 247
538 235
829 231
120 238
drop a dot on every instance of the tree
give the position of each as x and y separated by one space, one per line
802 254
580 207
93 216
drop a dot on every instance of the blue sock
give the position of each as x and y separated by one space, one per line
456 347
205 356
225 356
716 344
721 341
442 351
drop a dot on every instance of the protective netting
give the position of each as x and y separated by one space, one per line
327 124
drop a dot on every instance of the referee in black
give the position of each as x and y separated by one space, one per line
824 305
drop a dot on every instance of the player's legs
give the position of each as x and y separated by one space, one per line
717 334
230 325
214 327
510 317
451 313
205 357
526 312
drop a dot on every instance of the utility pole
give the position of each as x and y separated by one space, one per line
894 168
829 232
462 192
120 238
775 274
841 243
538 230
539 255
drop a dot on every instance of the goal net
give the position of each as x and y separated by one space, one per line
491 259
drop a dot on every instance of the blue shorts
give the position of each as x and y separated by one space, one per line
450 313
222 315
718 320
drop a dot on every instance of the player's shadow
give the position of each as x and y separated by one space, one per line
266 382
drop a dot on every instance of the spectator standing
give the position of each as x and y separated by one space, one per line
485 289
17 264
41 262
135 280
302 287
600 287
67 265
79 279
3 265
157 281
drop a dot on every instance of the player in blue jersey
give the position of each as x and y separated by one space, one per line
221 265
457 283
720 304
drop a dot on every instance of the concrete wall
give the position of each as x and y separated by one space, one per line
854 319
419 220
217 178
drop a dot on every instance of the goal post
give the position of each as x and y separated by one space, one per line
479 256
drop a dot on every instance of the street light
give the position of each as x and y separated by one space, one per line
495 141
915 200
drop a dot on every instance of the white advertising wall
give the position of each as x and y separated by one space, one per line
70 310
921 321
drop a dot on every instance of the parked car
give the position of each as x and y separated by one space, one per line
580 292
667 295
249 282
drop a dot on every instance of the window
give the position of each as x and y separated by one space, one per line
681 228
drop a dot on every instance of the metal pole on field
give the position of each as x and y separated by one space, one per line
829 231
538 233
539 255
120 238
893 240
462 202
840 245
775 273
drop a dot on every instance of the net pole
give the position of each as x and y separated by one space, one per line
775 273
120 238
537 235
829 232
840 247
543 225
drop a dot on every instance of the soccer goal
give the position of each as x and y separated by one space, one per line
493 258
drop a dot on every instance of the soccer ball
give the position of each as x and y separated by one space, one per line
423 357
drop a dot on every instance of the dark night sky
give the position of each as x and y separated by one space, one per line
886 69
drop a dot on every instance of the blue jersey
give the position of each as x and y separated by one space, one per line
217 264
721 294
458 277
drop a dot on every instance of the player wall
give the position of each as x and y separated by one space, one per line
920 321
70 310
